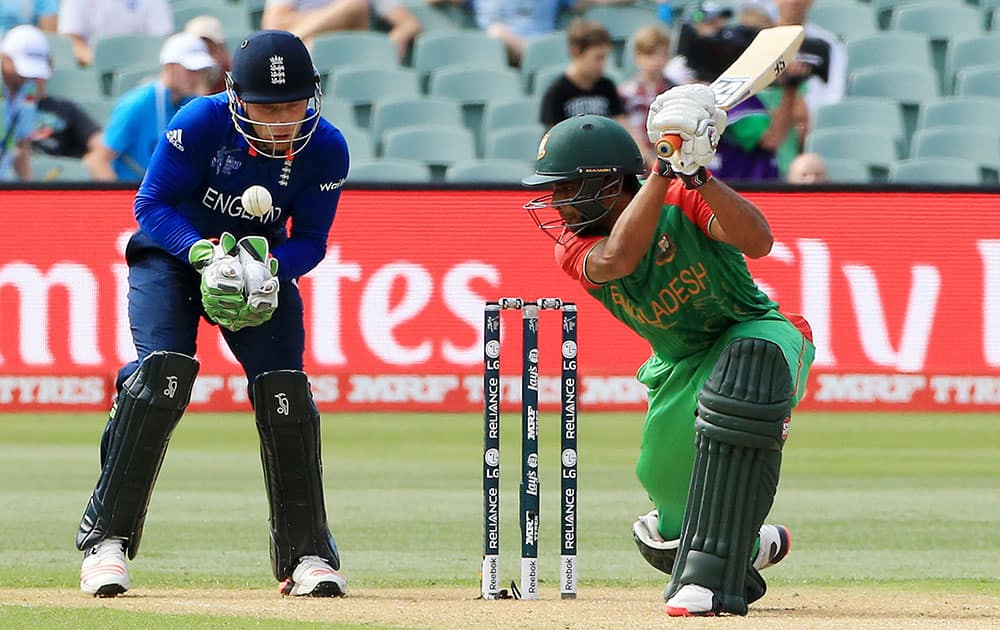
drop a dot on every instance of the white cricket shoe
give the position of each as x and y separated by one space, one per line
775 543
104 572
693 601
314 577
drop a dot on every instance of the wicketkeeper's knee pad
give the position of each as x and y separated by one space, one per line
740 428
288 424
145 413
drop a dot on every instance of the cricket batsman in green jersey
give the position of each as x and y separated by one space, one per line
667 259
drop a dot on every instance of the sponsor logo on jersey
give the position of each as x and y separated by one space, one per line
225 163
665 250
174 138
334 185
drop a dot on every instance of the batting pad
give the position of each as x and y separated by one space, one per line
145 413
288 424
740 428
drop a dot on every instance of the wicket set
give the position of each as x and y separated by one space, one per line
529 488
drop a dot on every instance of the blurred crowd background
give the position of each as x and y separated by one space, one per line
462 90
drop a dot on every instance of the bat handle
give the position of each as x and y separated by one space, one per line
667 144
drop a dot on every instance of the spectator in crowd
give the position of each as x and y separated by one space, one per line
62 128
142 114
40 13
583 88
756 131
807 168
707 19
24 61
209 29
652 52
86 21
308 18
817 91
516 22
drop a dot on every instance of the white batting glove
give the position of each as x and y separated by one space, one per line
688 111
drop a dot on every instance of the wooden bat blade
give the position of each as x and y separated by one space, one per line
761 63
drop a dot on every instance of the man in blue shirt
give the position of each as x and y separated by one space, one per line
41 13
24 60
141 115
237 203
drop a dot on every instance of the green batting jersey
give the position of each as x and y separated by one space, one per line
687 289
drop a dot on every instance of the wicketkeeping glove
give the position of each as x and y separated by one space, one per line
260 280
689 112
222 281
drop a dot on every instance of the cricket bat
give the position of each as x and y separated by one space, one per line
760 64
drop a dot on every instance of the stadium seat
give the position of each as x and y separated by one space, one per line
940 22
99 109
960 142
489 171
339 112
621 22
869 144
346 48
359 143
50 168
363 85
119 51
450 48
934 170
74 83
885 8
511 112
515 143
964 52
61 50
433 18
235 18
255 10
937 21
847 171
861 111
978 81
132 76
907 86
545 76
437 146
974 111
845 19
473 88
389 170
391 114
473 85
541 51
889 49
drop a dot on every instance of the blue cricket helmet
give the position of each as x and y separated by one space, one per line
273 67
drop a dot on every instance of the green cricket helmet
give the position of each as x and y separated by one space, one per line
594 151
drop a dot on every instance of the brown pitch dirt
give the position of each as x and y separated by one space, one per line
788 607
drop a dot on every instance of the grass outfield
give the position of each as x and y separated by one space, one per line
908 502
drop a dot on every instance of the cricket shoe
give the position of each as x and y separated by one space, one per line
314 577
693 601
104 572
775 543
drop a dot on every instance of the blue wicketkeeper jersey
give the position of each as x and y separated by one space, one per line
202 165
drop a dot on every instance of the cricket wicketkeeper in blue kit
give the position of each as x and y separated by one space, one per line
203 250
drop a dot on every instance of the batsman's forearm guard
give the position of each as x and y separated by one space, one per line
288 424
742 416
145 413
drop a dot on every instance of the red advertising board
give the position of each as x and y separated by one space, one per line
902 291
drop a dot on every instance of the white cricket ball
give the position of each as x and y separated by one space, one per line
256 201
